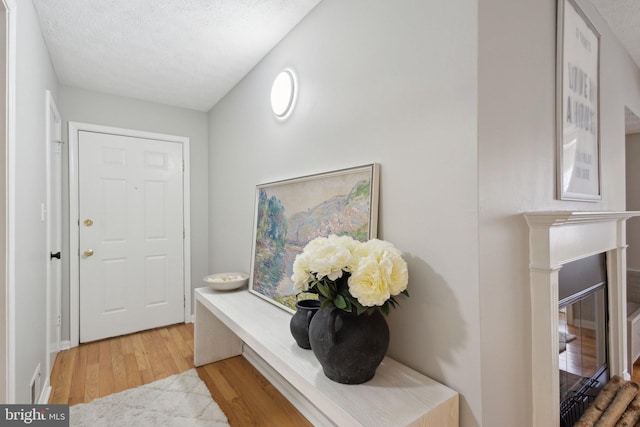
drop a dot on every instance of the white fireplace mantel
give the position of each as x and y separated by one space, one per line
556 238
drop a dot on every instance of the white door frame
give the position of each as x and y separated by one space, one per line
7 345
53 343
74 219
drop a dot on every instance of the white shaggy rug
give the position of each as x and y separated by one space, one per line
565 337
181 400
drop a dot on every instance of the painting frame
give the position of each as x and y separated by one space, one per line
290 212
577 105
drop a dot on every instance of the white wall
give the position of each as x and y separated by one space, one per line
4 194
516 135
387 82
35 75
91 107
632 161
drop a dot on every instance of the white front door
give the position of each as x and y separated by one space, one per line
131 234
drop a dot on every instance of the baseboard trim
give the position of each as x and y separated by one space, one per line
303 405
45 393
65 345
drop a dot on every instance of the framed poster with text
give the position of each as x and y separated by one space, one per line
578 105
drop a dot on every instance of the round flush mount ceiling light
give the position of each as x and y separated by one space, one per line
283 93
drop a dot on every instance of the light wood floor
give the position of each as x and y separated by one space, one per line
104 367
580 357
570 362
635 375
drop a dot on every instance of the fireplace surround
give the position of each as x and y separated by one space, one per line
555 239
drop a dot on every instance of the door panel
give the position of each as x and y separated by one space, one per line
131 234
54 231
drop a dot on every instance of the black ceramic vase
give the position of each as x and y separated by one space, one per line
301 319
349 347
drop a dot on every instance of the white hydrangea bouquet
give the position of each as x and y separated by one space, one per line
353 275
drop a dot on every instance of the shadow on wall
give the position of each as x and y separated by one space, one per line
428 329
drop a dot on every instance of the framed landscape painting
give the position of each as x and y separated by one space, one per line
290 213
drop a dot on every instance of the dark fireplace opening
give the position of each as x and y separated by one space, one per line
583 334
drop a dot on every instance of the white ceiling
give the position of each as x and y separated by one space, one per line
623 17
190 53
186 53
631 122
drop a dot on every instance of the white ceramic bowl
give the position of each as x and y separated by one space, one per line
226 281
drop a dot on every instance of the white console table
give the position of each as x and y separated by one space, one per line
396 396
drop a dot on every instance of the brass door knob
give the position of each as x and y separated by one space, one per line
88 222
88 252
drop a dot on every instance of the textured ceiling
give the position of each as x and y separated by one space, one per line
631 122
186 53
190 53
623 17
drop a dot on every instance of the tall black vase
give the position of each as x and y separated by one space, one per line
349 347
